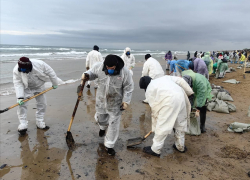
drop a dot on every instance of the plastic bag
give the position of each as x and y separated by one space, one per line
211 105
194 128
221 106
231 107
214 92
224 96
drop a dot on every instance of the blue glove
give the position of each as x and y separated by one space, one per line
20 101
54 87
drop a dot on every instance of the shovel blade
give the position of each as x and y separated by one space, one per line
70 140
134 142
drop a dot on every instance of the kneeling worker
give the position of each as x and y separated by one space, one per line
114 93
170 106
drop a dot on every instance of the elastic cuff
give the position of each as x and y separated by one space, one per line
109 145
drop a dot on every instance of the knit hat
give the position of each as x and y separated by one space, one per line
24 62
96 48
144 82
147 56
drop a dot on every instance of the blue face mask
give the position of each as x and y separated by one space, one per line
128 53
111 71
23 70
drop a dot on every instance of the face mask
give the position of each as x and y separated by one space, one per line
23 70
128 53
111 71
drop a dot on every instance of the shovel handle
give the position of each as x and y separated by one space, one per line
77 102
147 135
31 98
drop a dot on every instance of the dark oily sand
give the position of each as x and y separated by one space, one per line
217 154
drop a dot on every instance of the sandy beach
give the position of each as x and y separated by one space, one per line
216 154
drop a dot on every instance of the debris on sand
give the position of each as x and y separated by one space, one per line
233 152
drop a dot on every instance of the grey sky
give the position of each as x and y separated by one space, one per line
141 24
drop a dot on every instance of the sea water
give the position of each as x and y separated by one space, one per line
67 62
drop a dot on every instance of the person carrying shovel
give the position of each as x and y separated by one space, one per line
114 93
168 98
29 77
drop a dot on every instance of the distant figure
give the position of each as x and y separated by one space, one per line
128 59
199 66
93 57
172 68
195 54
209 63
168 57
181 65
220 68
188 55
152 68
175 55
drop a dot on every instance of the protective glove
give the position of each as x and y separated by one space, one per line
85 76
87 68
124 106
20 101
54 87
197 113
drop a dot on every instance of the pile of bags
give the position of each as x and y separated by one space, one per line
219 102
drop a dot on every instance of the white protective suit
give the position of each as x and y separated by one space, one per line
27 85
167 97
112 91
92 58
152 68
129 61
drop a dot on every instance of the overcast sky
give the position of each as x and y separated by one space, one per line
139 24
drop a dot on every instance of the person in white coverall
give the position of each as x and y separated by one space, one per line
129 59
114 93
93 57
168 98
152 68
29 77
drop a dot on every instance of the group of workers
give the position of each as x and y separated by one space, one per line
171 98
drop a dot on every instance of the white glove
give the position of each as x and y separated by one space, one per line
124 106
197 113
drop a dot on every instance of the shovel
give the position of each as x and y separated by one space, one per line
69 138
244 74
136 141
2 111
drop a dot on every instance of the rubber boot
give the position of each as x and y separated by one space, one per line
203 113
148 150
185 149
22 132
110 151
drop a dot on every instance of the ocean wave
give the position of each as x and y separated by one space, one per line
44 54
11 90
31 48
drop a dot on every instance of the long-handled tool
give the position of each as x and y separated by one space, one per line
69 138
2 111
244 73
136 141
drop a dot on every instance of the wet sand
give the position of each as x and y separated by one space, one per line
217 154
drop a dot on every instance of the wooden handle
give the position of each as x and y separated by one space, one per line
31 97
147 135
77 102
244 69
